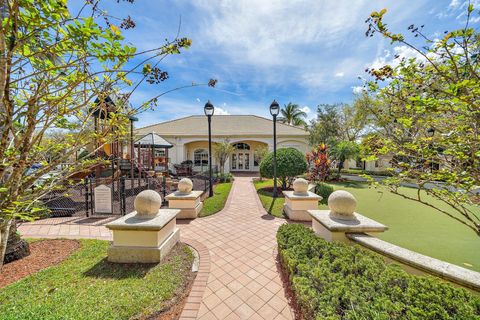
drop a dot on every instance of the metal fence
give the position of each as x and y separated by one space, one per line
79 199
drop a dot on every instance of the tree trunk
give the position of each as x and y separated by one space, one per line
11 245
4 232
340 166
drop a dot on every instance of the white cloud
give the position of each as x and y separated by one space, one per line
306 109
358 89
339 74
268 33
458 8
454 4
221 112
394 58
197 99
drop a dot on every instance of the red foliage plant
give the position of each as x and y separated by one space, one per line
319 163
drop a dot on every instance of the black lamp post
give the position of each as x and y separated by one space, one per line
430 134
274 111
209 110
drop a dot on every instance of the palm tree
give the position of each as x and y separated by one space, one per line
292 115
343 151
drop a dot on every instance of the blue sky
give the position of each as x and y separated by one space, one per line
306 52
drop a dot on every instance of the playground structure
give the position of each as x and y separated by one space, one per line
135 164
135 158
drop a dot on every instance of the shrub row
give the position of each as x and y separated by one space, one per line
368 172
335 281
224 177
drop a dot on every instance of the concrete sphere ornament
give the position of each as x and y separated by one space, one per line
342 205
185 186
147 203
300 186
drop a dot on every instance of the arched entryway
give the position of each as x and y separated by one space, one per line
245 158
240 159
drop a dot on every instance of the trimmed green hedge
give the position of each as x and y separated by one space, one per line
368 172
334 281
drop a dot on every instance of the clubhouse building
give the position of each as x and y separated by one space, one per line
188 137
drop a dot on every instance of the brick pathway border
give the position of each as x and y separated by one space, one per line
194 299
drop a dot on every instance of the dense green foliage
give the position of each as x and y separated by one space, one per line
86 286
338 122
324 190
290 163
217 202
334 281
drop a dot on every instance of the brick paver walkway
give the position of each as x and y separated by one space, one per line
243 282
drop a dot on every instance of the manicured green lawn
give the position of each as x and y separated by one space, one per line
411 225
217 202
86 286
273 206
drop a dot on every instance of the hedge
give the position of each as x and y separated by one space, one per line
385 173
331 280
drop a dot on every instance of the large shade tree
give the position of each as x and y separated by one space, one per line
53 65
428 114
341 122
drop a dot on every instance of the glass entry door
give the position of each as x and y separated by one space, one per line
241 161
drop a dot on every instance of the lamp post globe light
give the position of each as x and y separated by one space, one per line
209 110
274 111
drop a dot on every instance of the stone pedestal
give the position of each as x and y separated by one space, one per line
299 201
189 205
186 200
146 235
334 224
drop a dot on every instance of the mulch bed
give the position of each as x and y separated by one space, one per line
43 254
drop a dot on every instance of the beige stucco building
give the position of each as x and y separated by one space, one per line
189 137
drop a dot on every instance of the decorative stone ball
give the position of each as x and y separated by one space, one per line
147 203
300 186
342 205
185 186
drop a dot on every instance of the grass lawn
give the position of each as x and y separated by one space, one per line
217 202
273 206
86 286
411 225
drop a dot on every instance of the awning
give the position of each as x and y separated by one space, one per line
152 140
